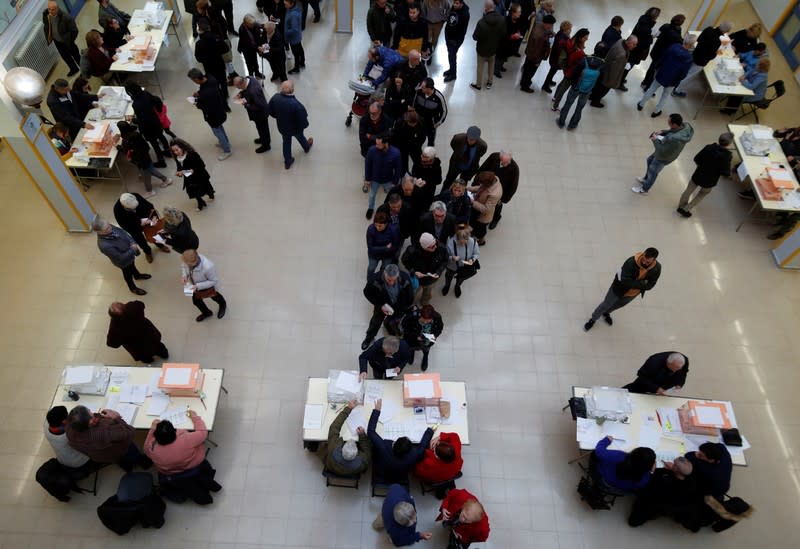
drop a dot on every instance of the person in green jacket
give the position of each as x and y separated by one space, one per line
668 145
350 457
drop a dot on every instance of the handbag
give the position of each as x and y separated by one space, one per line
150 231
414 281
204 294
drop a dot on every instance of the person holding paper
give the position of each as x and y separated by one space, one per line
342 457
394 459
487 192
133 331
465 517
105 437
133 212
383 243
387 356
425 261
390 294
251 97
660 373
189 165
442 461
121 250
200 274
380 64
178 231
421 327
625 471
463 252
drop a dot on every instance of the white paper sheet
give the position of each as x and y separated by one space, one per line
649 437
176 416
77 375
188 291
709 415
372 392
420 388
390 373
133 392
119 376
112 401
313 416
587 430
348 381
388 410
128 412
152 388
158 405
177 376
356 419
616 430
670 422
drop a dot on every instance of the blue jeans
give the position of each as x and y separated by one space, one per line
147 172
651 91
222 137
576 116
653 168
287 145
373 192
373 263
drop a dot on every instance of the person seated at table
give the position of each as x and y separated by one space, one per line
394 459
464 515
383 60
418 323
55 431
398 516
624 471
790 143
59 137
346 458
442 461
750 59
660 373
83 97
100 57
755 80
114 35
107 11
672 491
105 437
712 468
745 40
386 353
180 458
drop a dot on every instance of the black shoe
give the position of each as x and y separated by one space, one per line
295 70
139 291
493 224
588 325
655 114
449 77
143 276
448 72
257 141
475 87
608 319
774 236
222 309
202 316
526 89
547 89
746 195
597 104
365 344
684 213
445 289
370 211
233 32
622 88
288 164
498 74
429 61
457 291
503 69
259 75
424 364
316 19
166 154
639 107
263 149
160 164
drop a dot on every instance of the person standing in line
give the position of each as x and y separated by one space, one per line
251 38
668 144
584 79
398 516
487 35
465 517
485 197
706 49
293 32
503 165
558 54
435 13
251 96
371 126
382 168
196 179
178 231
130 329
537 50
660 373
638 274
213 106
712 161
408 136
455 31
144 108
468 148
200 274
576 53
387 354
463 252
644 32
429 106
613 67
668 34
674 66
276 52
379 22
137 151
292 119
209 50
512 39
383 243
425 261
421 327
133 212
611 36
121 250
391 295
60 28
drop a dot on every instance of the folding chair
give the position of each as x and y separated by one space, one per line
342 481
778 90
441 488
380 485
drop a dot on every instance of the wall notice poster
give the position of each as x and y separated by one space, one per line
8 11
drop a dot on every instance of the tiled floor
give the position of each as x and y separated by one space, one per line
290 251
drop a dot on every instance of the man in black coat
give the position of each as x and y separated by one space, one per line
208 50
468 148
704 51
668 34
412 72
145 105
276 52
413 196
660 373
387 356
455 29
214 107
638 274
252 98
400 213
133 212
64 109
425 259
292 119
391 295
438 222
133 331
507 171
60 28
712 161
371 126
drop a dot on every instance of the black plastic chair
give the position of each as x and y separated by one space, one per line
380 485
778 90
440 488
341 481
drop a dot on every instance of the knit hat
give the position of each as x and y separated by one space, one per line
426 240
473 132
128 201
349 450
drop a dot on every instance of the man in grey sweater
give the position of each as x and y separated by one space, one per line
121 250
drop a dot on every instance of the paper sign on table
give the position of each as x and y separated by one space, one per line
119 376
128 412
372 392
615 429
708 415
313 416
649 437
177 376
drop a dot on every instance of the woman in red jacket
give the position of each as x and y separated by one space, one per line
575 55
442 459
464 515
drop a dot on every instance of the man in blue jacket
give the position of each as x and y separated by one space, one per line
386 59
292 119
674 66
395 458
398 516
382 168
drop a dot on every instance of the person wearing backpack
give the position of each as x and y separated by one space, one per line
584 79
537 50
675 64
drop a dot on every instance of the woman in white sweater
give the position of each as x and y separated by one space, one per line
200 276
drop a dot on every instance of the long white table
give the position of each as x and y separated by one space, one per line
454 391
206 409
644 414
158 37
754 167
718 90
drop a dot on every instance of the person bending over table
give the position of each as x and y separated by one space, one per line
660 373
345 458
395 458
712 469
624 471
386 353
672 491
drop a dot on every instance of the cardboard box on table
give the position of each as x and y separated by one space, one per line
190 383
432 399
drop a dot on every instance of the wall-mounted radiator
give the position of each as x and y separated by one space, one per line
34 52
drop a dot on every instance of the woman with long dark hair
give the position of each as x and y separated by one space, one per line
196 179
625 471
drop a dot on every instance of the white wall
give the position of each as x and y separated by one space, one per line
770 11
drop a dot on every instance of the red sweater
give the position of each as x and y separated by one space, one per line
432 470
467 533
99 60
186 452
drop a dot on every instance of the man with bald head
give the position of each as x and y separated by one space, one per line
413 72
507 171
660 373
251 97
61 29
292 119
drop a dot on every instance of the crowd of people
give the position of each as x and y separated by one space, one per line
431 223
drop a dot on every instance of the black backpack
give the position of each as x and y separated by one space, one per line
591 493
57 480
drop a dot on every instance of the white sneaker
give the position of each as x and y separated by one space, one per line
639 190
166 183
640 180
149 194
224 156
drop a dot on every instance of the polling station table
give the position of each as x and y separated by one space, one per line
85 167
143 33
719 91
644 428
754 167
399 421
171 408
